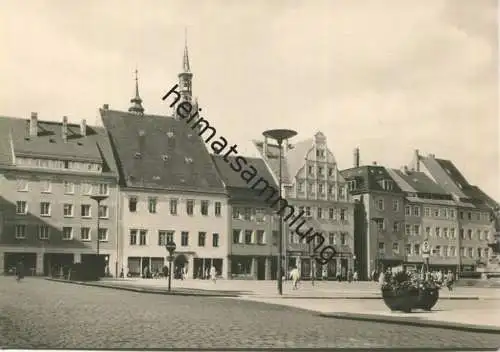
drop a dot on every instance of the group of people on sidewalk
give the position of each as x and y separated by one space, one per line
179 273
295 276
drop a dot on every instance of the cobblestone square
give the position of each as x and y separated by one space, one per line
41 314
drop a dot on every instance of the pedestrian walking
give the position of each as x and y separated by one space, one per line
213 274
381 278
294 276
19 270
449 280
355 276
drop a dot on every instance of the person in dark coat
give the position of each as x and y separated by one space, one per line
19 270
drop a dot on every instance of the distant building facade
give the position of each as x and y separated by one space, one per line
313 185
169 191
48 173
379 217
254 225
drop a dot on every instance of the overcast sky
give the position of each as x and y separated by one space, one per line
388 76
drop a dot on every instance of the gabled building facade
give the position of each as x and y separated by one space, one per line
379 217
475 210
48 173
313 185
169 191
254 225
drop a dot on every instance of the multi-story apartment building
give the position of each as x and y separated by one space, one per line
169 190
312 183
474 210
430 214
379 217
48 173
254 225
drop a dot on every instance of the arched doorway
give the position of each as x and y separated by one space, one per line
180 266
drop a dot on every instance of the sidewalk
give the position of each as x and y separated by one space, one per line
321 290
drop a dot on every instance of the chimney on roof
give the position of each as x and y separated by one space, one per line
105 106
356 157
405 169
34 124
416 160
374 163
83 127
64 131
264 147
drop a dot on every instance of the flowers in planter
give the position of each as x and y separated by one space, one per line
404 280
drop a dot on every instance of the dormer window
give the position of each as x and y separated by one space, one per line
310 170
170 134
388 185
352 185
164 157
188 160
137 155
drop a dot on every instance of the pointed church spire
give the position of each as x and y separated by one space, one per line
136 101
185 61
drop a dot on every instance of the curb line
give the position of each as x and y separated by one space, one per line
150 291
378 318
367 297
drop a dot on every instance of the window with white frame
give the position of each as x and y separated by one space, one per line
133 237
204 207
416 230
408 249
438 231
486 235
331 238
173 206
407 210
479 234
308 211
379 204
21 207
470 252
427 211
343 214
452 213
416 210
85 233
428 231
103 234
380 223
20 231
300 186
215 240
442 212
416 249
320 188
445 251
445 232
331 213
395 204
320 213
22 185
190 207
342 193
469 234
435 212
152 203
248 236
45 186
132 204
452 251
103 212
396 226
44 209
381 247
67 233
69 187
68 210
408 229
143 237
43 232
217 208
103 189
453 234
237 236
85 210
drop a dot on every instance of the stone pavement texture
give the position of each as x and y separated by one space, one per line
330 297
38 313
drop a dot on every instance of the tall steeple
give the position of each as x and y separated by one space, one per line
186 77
136 101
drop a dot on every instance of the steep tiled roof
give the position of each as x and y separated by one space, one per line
483 196
160 152
442 171
237 188
49 143
368 178
416 182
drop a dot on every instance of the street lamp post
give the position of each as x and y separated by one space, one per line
98 199
170 247
279 136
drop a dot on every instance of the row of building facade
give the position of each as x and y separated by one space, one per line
157 182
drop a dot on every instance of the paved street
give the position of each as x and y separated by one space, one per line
44 314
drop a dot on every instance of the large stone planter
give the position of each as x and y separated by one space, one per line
427 298
401 299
